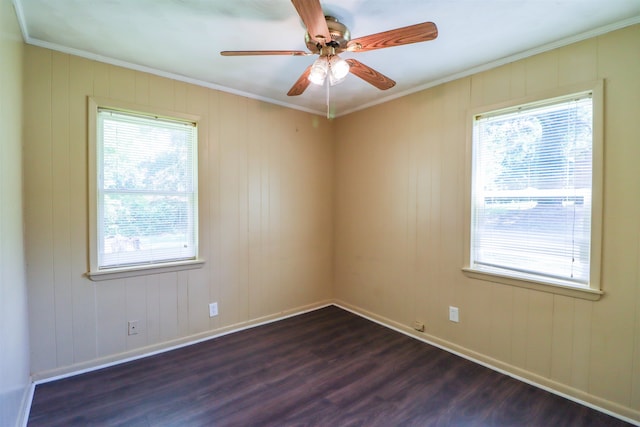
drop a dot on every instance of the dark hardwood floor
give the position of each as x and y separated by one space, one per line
324 368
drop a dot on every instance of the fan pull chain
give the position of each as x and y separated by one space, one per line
328 108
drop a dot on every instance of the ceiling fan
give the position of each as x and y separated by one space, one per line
327 37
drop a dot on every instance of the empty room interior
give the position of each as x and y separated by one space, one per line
363 202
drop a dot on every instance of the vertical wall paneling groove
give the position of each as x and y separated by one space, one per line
562 338
440 173
254 204
539 332
584 348
424 287
141 88
101 77
179 96
60 209
410 232
270 198
580 357
152 309
182 303
122 83
518 338
212 232
84 293
270 234
244 207
263 297
161 93
501 323
438 289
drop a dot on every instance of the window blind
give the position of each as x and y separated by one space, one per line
147 189
531 191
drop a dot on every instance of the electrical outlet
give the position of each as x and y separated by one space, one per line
213 309
418 326
454 314
132 326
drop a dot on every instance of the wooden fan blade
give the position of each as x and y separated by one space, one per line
405 35
301 84
312 15
370 75
264 52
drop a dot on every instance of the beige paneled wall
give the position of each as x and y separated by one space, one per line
290 220
265 217
399 221
14 334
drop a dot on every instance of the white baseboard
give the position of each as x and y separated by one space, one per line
610 408
140 353
25 408
602 405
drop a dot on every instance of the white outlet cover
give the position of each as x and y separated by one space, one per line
213 309
132 326
454 314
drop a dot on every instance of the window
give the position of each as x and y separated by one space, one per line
145 192
532 193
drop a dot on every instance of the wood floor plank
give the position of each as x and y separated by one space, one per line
328 367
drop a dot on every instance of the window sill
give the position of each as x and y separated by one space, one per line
124 272
570 291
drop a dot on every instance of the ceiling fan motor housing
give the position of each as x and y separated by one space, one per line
340 36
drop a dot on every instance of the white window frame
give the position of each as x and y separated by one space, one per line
95 272
593 290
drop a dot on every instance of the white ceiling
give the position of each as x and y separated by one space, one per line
182 39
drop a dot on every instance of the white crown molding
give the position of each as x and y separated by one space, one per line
22 23
17 4
506 60
474 70
161 73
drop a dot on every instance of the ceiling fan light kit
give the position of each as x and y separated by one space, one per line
327 37
319 70
330 65
338 70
